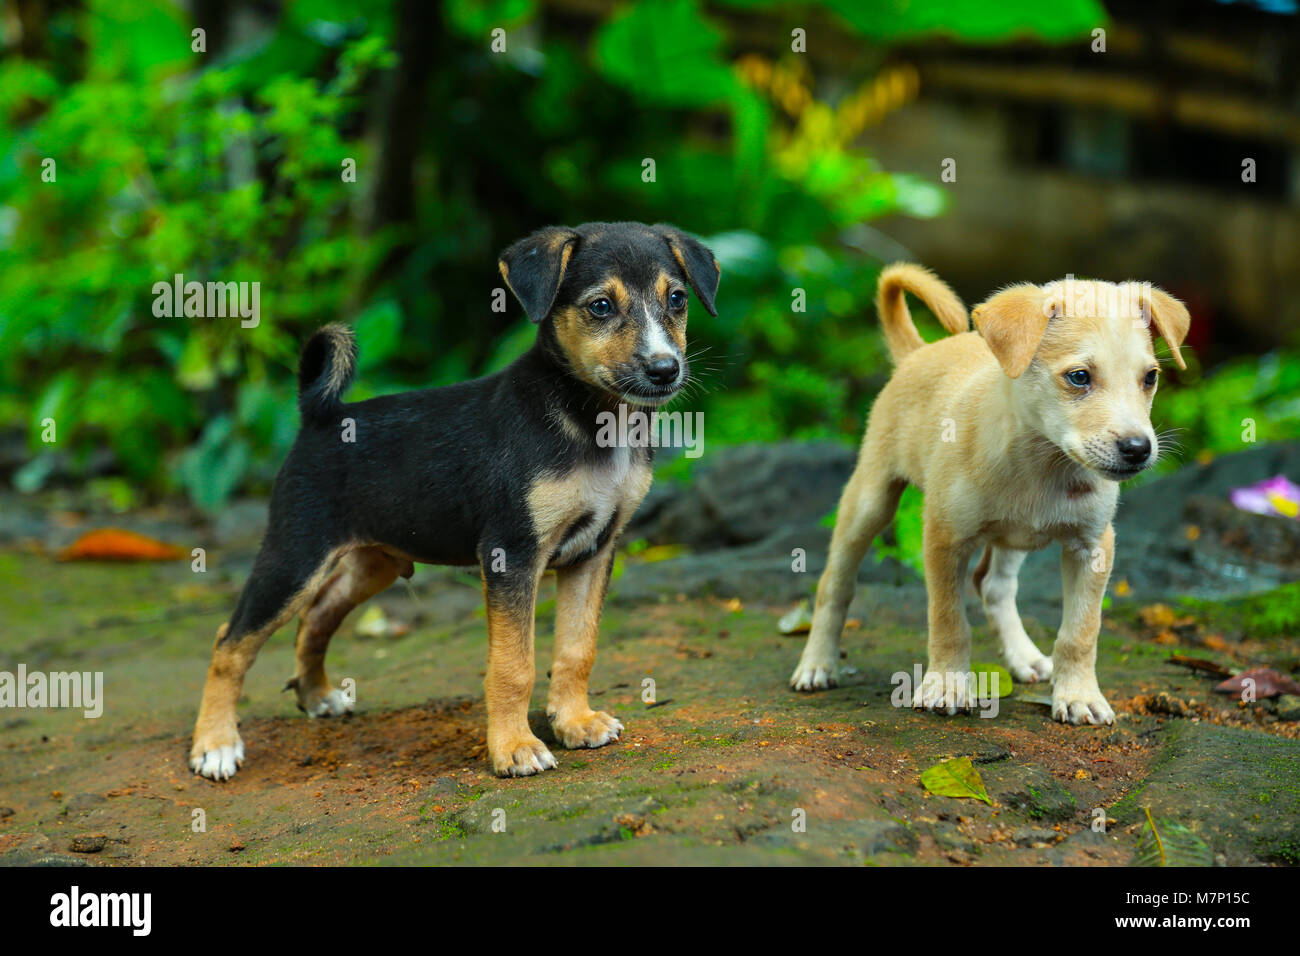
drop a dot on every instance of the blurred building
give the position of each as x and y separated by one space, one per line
1173 156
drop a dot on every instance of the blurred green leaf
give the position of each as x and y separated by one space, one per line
972 20
379 333
478 18
211 470
665 51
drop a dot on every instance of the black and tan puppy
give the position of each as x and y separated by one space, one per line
504 472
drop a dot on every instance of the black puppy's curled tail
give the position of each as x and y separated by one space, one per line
328 363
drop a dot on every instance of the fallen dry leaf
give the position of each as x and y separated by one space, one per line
1157 616
1200 664
115 544
1215 642
1268 683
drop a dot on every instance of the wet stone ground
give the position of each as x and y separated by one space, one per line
716 770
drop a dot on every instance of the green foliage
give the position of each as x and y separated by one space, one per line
227 168
1271 614
157 178
973 19
663 51
1245 400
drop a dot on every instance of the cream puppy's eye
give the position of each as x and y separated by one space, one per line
1150 380
1079 377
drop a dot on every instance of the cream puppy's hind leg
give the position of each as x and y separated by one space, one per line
866 506
997 590
946 687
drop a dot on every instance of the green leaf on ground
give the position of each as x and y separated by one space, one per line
1034 697
955 778
797 621
1005 683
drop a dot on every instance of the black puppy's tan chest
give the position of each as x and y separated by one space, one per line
575 513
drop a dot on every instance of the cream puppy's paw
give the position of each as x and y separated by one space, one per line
1080 701
815 675
521 757
946 692
593 729
1029 668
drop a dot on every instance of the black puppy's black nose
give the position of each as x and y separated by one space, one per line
662 369
1135 450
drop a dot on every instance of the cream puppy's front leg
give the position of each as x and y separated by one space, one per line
1085 569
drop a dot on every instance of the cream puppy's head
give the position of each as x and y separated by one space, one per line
1082 365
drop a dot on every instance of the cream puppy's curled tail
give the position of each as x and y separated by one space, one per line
900 334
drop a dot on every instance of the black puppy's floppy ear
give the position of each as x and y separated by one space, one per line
534 268
697 262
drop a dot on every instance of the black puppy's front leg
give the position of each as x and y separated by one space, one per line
580 594
510 578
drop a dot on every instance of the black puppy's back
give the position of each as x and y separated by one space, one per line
433 473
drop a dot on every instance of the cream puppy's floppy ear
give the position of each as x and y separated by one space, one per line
1012 324
1170 317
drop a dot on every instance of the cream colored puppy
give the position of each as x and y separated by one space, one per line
1019 434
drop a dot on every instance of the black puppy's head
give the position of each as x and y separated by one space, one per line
615 297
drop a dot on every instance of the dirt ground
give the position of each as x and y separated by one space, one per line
722 768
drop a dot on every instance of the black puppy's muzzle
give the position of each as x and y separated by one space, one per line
653 380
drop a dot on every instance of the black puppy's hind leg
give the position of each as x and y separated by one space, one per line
356 577
280 582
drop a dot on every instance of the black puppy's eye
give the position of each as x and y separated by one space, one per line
1150 380
1078 377
677 301
601 308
